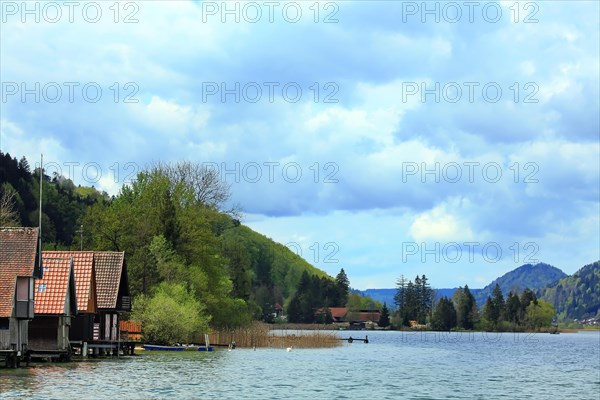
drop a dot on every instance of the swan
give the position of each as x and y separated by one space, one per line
290 348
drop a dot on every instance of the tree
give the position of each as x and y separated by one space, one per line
425 299
539 315
8 212
513 308
400 293
466 307
294 312
343 285
488 313
171 315
384 320
444 315
497 309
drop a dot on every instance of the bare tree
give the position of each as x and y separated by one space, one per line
8 213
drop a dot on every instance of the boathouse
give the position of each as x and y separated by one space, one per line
55 305
20 265
82 326
113 299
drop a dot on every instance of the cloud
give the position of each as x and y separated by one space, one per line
377 134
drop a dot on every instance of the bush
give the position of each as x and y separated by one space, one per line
171 315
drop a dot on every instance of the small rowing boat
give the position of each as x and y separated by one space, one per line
155 347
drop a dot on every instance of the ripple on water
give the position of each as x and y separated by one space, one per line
393 365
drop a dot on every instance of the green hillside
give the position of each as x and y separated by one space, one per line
576 296
532 276
181 243
272 264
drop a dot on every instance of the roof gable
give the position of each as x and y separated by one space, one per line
83 268
110 277
55 291
18 256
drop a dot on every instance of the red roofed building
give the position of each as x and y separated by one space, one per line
338 314
82 327
20 264
112 289
55 305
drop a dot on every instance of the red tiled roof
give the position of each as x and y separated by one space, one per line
338 312
50 293
83 267
369 315
18 248
109 269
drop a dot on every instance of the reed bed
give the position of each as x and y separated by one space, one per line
261 335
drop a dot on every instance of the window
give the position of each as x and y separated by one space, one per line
41 288
24 288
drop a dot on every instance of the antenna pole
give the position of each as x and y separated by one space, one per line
41 175
40 216
81 236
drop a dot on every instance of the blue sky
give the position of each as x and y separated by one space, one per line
453 139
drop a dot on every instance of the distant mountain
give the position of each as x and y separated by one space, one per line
576 296
381 295
532 276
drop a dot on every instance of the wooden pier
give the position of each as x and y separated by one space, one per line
352 339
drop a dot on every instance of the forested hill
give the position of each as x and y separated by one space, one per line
180 243
532 276
64 203
576 296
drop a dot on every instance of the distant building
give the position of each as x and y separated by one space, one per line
338 314
20 265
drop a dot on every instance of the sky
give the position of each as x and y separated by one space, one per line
458 140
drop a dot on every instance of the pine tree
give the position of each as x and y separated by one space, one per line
426 297
400 293
343 285
513 308
444 315
497 304
466 308
384 320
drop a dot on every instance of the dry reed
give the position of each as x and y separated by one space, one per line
260 335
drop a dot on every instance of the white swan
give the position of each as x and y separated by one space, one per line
290 348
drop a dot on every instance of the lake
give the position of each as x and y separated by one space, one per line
393 365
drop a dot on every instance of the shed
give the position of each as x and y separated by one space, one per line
55 305
112 289
20 264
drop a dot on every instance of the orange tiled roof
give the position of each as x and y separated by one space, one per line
109 269
83 267
338 312
50 293
18 248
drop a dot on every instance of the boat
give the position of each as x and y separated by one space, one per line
155 347
205 348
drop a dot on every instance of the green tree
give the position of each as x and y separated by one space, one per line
171 315
539 315
384 320
513 308
466 308
399 296
497 306
343 285
444 315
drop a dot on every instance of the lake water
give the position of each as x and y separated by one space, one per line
394 365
